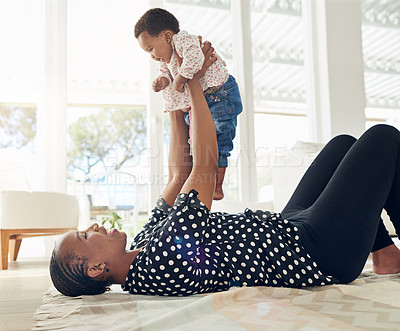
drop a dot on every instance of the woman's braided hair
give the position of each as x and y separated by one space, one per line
155 21
68 274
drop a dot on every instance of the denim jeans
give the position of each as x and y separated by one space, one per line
225 105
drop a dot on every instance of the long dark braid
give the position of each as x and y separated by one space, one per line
68 274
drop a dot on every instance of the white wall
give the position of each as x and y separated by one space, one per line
334 61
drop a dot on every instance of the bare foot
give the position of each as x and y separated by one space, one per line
219 193
386 260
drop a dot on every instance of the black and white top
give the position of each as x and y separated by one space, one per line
190 250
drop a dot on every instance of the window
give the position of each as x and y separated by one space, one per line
21 84
18 126
21 91
107 87
279 84
380 40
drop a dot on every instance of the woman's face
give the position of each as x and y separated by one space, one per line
158 46
95 243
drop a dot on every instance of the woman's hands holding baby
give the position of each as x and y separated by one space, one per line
210 58
160 83
179 82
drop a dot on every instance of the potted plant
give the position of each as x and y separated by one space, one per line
114 219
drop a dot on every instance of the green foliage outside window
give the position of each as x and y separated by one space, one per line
109 136
17 126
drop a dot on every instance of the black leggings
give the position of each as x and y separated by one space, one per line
338 202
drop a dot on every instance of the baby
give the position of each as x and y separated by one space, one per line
181 57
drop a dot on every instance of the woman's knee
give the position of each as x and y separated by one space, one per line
343 141
384 129
345 138
383 133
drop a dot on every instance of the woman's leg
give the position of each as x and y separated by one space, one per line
317 177
339 228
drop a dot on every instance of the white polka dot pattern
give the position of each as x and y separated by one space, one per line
190 250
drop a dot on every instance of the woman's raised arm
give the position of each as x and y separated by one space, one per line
179 159
203 139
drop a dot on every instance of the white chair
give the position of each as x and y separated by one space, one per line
29 214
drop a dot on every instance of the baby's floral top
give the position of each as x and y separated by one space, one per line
188 47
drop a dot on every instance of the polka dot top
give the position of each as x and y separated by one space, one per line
189 250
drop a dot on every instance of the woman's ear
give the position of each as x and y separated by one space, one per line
95 270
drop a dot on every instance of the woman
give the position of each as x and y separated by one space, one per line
323 236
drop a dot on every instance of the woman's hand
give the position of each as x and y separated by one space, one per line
178 86
209 58
179 82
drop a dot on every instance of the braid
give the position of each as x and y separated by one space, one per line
68 274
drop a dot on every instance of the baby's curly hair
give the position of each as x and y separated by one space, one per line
155 21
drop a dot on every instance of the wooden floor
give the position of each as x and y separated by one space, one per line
21 289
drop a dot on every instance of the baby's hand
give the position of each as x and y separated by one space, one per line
178 86
160 83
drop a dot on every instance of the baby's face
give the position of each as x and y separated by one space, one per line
158 46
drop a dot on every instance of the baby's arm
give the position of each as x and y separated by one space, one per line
160 83
163 78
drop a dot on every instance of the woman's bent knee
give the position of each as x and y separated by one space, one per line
345 138
384 130
342 141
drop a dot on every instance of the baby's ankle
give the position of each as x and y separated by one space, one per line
219 193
